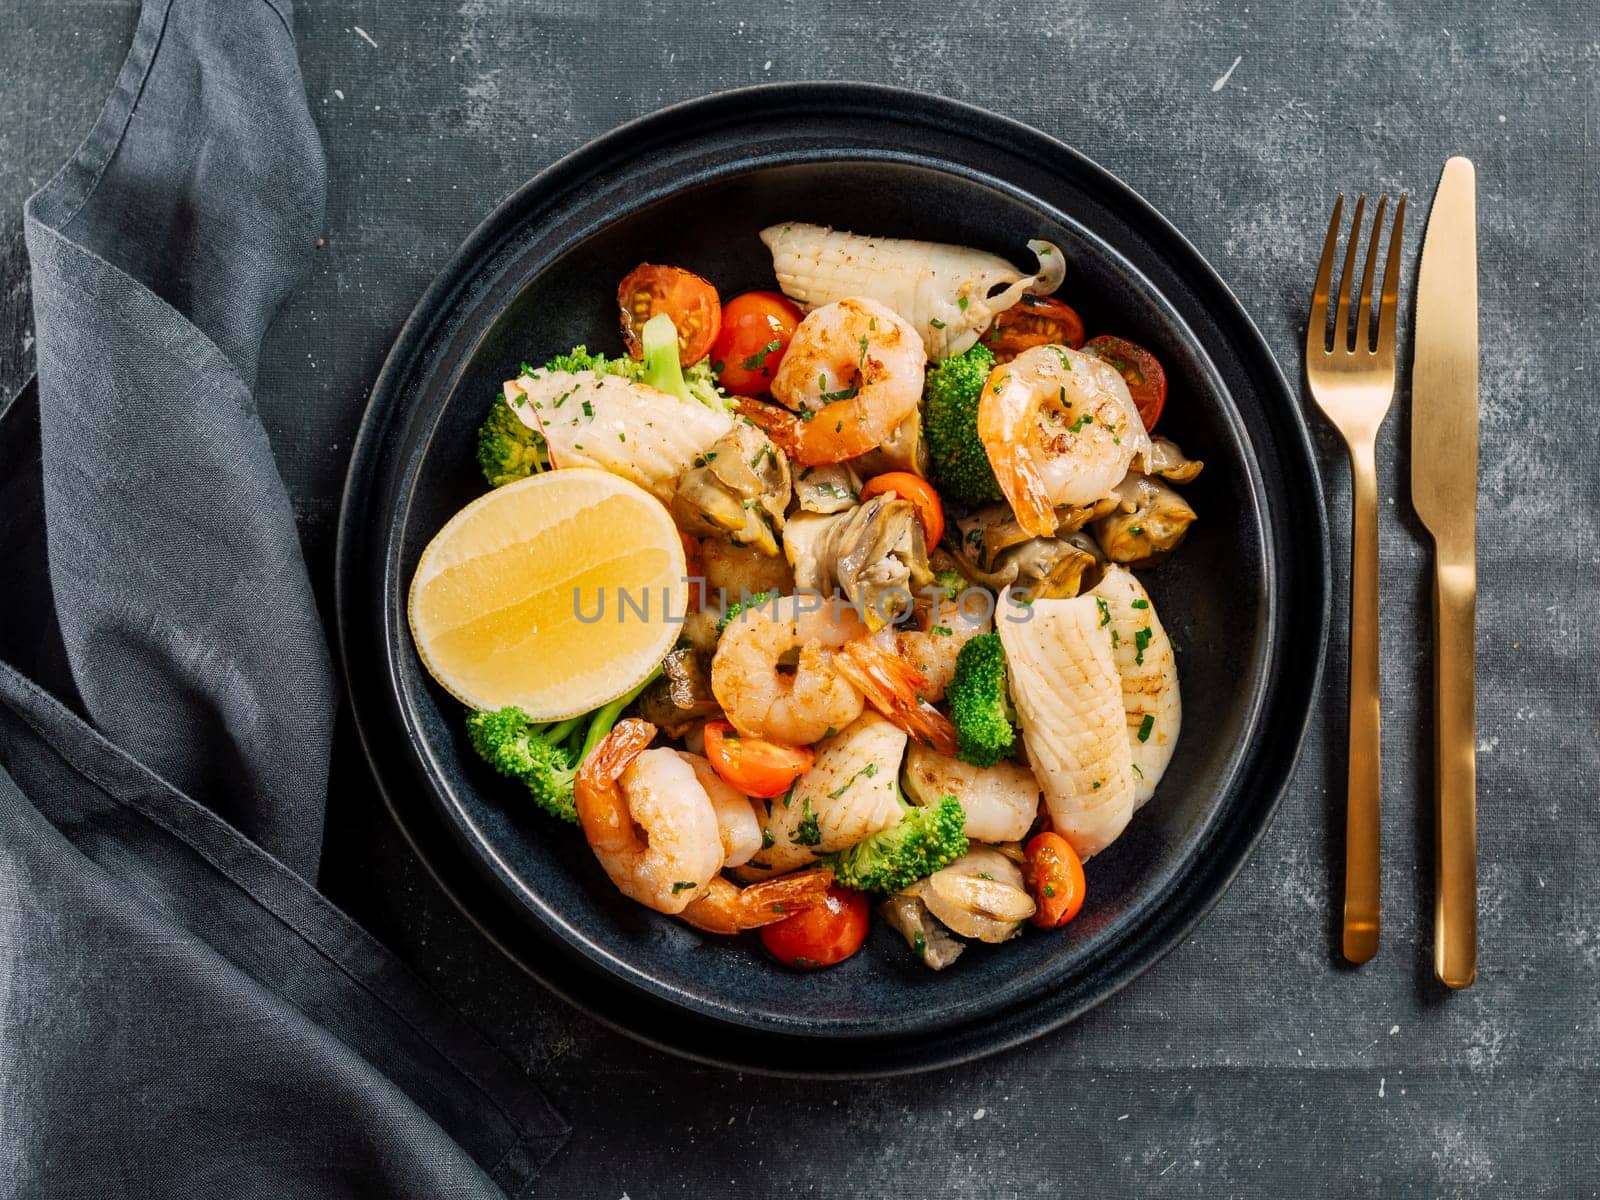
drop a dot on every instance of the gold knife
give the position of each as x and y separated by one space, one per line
1444 489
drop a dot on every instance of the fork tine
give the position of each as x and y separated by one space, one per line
1347 284
1317 326
1390 300
1363 324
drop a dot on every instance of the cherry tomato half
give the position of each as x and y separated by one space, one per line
1034 321
755 767
1147 382
690 301
1055 873
756 328
820 936
921 494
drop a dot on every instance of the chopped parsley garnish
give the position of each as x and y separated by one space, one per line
766 839
808 832
919 944
1098 783
1083 419
849 393
937 324
942 631
866 772
1138 604
683 885
1141 643
755 463
1105 611
1136 530
1049 891
758 360
588 409
1145 726
961 303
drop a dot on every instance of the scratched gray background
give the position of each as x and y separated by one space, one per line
1248 1062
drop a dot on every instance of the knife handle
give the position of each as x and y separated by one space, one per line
1361 869
1455 958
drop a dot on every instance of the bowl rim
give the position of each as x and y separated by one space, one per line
874 102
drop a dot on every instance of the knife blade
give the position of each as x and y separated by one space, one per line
1444 490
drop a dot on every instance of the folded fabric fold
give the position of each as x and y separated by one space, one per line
184 1013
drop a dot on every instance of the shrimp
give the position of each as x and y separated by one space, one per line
895 688
738 822
763 701
728 908
647 819
852 373
933 650
1060 429
654 830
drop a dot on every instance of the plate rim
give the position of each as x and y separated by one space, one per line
872 102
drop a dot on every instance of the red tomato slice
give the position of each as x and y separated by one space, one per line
1147 382
689 300
820 936
756 328
1034 321
755 767
930 511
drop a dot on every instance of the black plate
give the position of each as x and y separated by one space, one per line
1245 601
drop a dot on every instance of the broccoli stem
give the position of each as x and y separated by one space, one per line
662 370
606 718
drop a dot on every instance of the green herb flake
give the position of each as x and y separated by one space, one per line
683 885
1083 419
758 360
961 303
808 832
1145 726
942 631
1049 891
919 944
1138 604
937 324
1141 643
1105 611
766 839
588 409
1098 783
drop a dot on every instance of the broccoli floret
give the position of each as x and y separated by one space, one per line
545 756
507 449
950 393
980 703
739 606
581 360
662 370
926 840
950 582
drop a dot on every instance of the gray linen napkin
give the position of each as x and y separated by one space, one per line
183 1013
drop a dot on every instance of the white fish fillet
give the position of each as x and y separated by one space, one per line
1069 700
942 290
850 791
629 429
1143 656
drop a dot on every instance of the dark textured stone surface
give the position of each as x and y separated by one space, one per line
1249 1062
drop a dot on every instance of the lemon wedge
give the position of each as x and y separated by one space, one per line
557 593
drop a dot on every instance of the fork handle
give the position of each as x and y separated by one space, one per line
1361 804
1455 958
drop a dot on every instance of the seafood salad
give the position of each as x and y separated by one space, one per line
825 600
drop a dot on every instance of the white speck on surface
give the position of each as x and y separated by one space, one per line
767 66
365 36
980 1114
1502 118
1124 1116
338 94
1222 80
1393 1029
1381 1082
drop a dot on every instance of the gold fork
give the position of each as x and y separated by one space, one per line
1352 381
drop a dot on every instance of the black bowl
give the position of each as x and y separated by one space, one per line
1245 600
